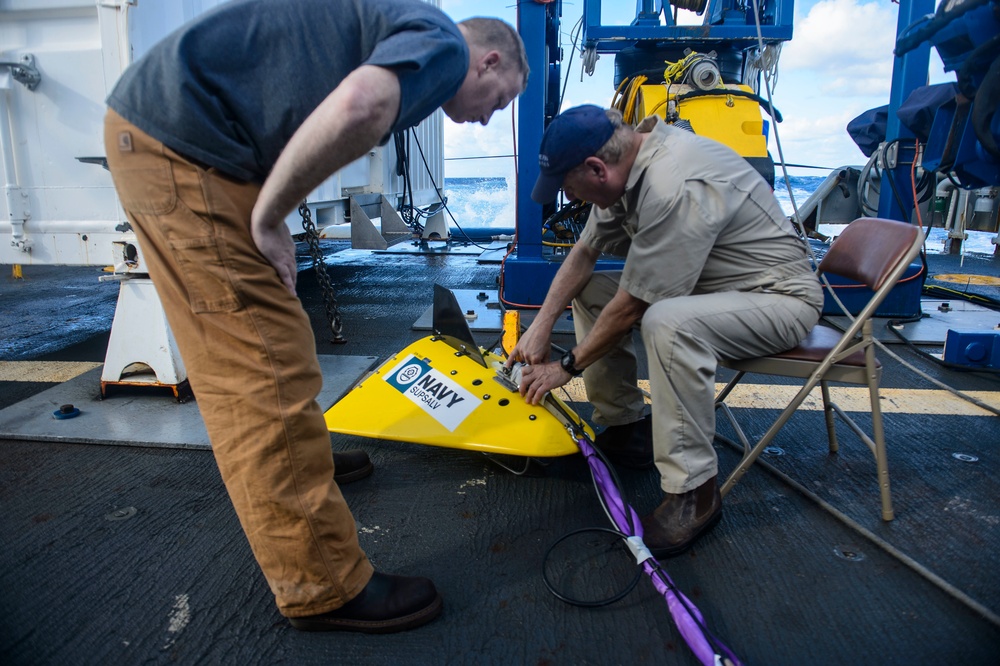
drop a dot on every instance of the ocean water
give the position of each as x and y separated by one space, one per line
802 188
489 203
482 202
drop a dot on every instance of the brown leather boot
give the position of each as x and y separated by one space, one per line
681 519
350 466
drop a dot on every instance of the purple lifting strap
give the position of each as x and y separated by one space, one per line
685 614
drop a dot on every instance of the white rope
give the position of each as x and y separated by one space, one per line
774 128
764 62
589 56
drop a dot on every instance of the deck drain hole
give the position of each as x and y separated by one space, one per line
774 451
848 553
965 457
121 514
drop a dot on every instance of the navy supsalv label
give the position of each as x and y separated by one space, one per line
447 402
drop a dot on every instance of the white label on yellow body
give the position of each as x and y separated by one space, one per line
447 402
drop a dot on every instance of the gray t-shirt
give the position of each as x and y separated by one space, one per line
695 219
230 88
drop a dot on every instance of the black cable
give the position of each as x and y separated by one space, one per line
923 185
579 602
571 212
891 325
616 482
972 297
927 234
716 92
498 343
979 56
406 210
912 36
904 211
569 67
951 178
443 199
658 570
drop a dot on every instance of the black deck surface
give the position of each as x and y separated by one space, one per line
118 555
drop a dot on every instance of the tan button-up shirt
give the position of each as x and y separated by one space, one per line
697 218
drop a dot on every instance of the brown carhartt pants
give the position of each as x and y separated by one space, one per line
251 359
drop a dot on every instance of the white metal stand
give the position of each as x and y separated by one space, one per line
140 334
436 228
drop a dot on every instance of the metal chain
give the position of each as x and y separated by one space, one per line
319 265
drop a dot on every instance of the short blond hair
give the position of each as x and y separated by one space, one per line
492 34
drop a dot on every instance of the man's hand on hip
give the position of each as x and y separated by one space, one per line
277 246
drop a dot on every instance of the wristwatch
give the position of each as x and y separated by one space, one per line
568 363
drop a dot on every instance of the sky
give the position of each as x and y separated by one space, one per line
837 65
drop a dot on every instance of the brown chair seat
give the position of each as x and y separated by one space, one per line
815 347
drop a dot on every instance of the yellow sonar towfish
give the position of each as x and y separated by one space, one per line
443 390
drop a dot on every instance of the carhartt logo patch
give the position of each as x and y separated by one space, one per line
124 142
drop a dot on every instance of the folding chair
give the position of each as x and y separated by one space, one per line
874 252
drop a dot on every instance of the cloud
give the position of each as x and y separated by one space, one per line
472 139
846 45
819 140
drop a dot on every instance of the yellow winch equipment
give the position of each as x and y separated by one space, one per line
730 119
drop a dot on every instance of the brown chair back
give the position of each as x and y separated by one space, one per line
868 249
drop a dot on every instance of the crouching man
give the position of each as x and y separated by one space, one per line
712 269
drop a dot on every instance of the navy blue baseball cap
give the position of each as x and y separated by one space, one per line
571 137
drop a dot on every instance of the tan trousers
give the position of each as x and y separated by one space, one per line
684 338
251 359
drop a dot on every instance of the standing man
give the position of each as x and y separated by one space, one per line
712 269
212 139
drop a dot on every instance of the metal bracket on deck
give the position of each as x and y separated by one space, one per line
24 71
364 235
18 214
436 228
141 336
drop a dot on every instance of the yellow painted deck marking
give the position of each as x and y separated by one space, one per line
958 278
850 399
43 371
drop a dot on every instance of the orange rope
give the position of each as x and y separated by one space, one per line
913 182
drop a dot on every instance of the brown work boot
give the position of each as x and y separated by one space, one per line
681 519
628 445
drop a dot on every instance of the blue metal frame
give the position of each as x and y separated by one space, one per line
723 23
908 73
528 273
